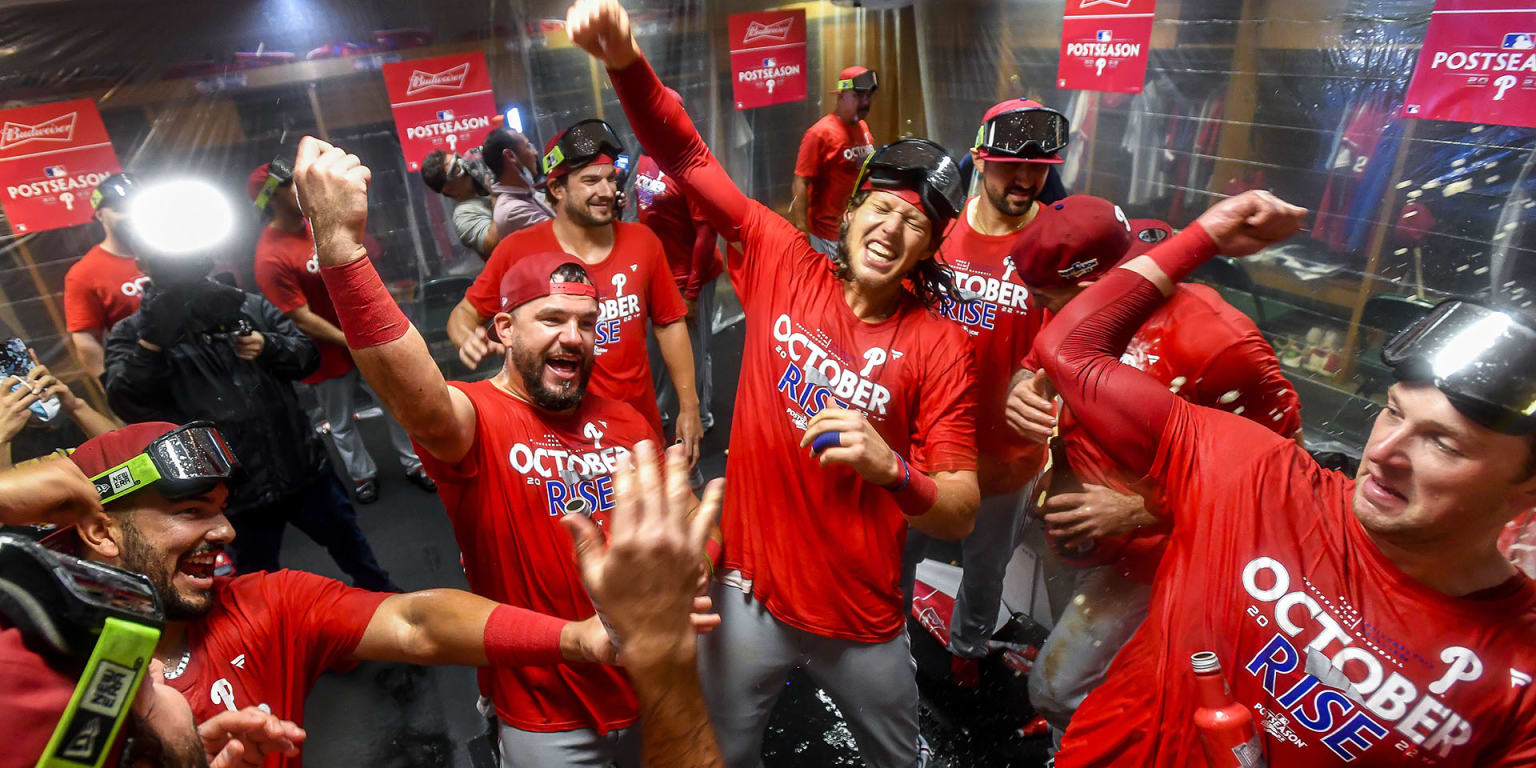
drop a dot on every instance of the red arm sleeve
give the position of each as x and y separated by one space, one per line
1123 409
666 301
703 253
664 130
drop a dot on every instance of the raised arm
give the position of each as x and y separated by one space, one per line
390 353
1124 409
658 120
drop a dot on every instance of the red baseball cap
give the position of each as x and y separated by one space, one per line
533 277
101 453
1003 108
847 75
1072 240
257 180
1145 235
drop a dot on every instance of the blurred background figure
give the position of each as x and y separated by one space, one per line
448 174
514 163
105 285
831 153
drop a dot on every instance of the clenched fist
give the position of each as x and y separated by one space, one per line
333 193
1250 222
601 28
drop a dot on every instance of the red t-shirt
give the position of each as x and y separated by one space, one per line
678 223
821 546
831 154
1269 568
505 500
266 641
1208 353
633 284
100 289
288 273
1001 322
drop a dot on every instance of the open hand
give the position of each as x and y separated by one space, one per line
1029 409
245 738
477 347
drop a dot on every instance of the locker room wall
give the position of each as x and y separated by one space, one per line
1299 96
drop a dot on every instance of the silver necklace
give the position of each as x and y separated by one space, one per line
171 673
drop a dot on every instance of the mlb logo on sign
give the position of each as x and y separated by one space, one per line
54 171
1103 36
768 63
1519 41
446 114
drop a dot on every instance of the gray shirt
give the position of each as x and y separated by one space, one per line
518 207
471 218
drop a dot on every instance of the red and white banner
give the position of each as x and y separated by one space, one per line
52 156
1478 64
440 103
767 58
1104 45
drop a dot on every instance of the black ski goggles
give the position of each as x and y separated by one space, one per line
1031 133
1481 358
185 462
922 166
864 82
581 143
279 172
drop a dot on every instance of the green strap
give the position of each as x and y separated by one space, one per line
845 85
103 698
555 157
127 477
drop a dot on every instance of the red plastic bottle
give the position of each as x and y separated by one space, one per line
1226 727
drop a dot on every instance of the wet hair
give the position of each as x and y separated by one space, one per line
434 170
570 273
930 281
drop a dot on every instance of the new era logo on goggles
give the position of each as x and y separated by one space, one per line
582 142
1027 133
1480 357
864 81
185 462
922 166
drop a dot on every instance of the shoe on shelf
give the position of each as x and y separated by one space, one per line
965 673
422 481
366 491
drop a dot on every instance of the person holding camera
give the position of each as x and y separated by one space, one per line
201 350
289 276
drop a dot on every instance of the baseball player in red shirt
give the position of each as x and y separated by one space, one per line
1200 348
289 276
1362 621
511 455
262 639
831 153
1018 142
854 419
690 244
105 285
624 261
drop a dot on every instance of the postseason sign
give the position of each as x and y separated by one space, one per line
1104 45
51 157
1478 64
440 103
767 58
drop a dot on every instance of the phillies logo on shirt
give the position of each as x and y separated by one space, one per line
777 32
449 79
61 128
615 312
814 373
1357 685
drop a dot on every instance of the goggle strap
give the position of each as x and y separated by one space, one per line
555 157
127 477
267 189
103 697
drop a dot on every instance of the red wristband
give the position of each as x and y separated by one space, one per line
1183 253
713 551
369 315
518 637
915 493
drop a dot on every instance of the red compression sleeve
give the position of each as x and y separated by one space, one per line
703 253
1123 409
1184 252
663 128
517 637
369 315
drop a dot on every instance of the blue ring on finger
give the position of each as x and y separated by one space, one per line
826 440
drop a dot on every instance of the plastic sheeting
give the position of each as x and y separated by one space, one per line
1300 97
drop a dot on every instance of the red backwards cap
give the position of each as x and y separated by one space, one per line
1076 239
1145 235
533 277
102 453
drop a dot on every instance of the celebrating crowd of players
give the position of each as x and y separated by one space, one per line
916 365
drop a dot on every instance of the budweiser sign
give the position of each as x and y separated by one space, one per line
779 30
449 79
61 128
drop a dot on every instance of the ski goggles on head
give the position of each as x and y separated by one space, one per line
279 172
185 462
921 166
1480 357
1027 134
864 82
101 620
580 144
